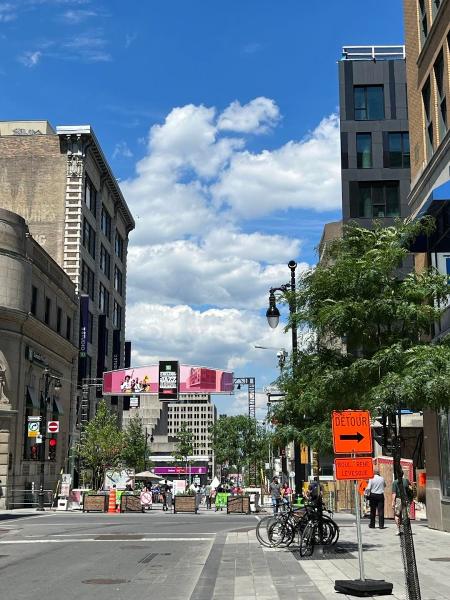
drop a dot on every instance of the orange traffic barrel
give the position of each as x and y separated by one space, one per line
112 501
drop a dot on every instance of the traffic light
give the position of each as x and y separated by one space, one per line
52 449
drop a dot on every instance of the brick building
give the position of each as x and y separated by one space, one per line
61 183
427 30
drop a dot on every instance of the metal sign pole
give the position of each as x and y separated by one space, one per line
359 532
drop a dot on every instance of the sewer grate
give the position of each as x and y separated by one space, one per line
443 559
104 581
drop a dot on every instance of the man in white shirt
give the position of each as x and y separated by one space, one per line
375 492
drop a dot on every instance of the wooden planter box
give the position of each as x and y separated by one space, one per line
185 504
238 504
130 503
95 502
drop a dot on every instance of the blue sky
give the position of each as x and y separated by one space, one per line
217 117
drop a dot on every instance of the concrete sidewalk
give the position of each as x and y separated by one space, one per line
248 571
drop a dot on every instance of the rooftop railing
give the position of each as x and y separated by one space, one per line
373 53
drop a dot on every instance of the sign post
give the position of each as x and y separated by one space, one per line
352 435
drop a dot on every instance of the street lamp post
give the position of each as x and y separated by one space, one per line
48 379
273 318
147 435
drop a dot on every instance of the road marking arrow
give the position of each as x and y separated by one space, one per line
357 436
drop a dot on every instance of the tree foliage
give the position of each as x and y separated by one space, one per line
135 450
239 441
185 444
102 444
373 323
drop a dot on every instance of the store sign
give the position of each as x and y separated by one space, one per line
180 470
84 326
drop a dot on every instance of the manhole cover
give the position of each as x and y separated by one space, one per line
104 581
444 559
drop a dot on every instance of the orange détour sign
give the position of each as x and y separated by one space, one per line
352 433
353 468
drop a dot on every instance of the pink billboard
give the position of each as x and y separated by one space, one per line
145 380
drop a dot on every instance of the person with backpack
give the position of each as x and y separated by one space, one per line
397 500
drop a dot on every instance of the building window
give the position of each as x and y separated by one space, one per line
399 150
34 299
58 319
103 300
105 223
88 365
69 328
48 309
426 98
118 280
117 315
444 448
87 280
88 237
364 150
373 200
105 261
369 102
423 25
441 99
90 195
118 246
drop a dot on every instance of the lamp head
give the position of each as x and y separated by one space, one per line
272 314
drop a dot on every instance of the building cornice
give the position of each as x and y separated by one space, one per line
97 152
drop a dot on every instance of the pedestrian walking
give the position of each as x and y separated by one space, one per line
397 500
375 493
286 493
166 495
208 490
275 493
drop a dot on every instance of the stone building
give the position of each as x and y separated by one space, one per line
427 31
61 183
38 313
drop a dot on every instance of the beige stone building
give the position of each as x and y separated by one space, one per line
427 30
38 313
61 183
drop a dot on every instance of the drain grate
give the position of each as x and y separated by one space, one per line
443 559
104 581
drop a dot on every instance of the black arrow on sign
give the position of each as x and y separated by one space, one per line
354 436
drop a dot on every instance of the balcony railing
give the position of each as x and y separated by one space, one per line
373 53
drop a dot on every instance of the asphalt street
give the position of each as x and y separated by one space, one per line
104 556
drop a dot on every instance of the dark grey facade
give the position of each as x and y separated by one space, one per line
374 135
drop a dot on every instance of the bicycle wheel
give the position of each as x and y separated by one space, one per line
281 534
307 539
262 530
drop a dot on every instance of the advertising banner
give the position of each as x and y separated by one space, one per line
180 470
168 379
116 349
145 380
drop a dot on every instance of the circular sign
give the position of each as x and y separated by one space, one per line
53 426
146 498
33 426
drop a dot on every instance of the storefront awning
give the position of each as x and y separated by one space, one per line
436 205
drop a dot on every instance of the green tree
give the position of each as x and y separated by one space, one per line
135 449
185 444
372 323
239 441
102 444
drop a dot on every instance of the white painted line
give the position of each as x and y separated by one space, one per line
118 534
117 539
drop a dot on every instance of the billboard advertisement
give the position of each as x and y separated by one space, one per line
168 379
146 380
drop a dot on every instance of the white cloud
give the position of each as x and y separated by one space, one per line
122 149
221 338
258 116
74 17
304 174
7 12
30 59
198 275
